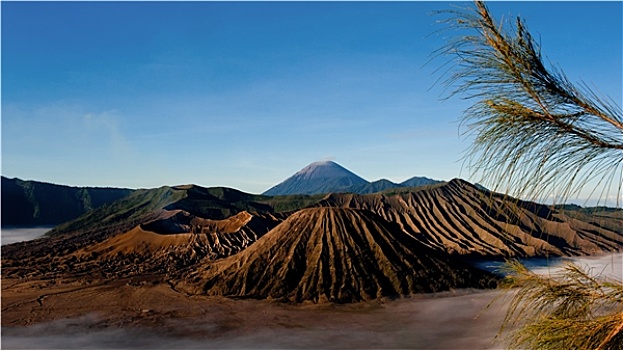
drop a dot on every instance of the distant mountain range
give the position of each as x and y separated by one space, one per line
340 247
330 177
33 203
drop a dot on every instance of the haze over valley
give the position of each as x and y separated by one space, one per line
183 231
301 175
195 246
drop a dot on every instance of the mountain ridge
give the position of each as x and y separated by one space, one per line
29 203
221 241
36 203
314 256
460 218
329 177
315 178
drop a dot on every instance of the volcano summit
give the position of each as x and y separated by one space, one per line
318 177
330 177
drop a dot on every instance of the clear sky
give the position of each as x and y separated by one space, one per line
144 94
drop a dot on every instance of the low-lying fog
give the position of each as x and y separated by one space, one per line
442 322
609 265
459 320
12 235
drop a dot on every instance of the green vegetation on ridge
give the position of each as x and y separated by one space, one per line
123 212
32 203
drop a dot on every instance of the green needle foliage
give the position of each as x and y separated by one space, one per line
535 133
571 310
538 135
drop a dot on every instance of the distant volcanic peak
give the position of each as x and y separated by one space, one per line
318 177
328 176
327 170
332 254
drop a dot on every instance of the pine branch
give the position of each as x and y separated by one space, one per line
571 310
536 133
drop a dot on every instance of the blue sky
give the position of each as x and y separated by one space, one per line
144 94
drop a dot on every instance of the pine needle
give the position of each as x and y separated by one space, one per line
536 134
571 310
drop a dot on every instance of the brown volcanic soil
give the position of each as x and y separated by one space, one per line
172 241
458 218
333 254
140 313
186 237
154 275
454 218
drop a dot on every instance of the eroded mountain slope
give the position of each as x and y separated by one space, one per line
459 218
333 254
161 246
346 247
